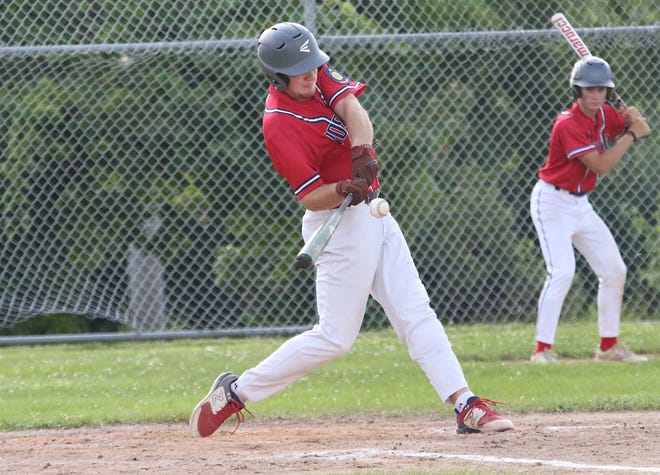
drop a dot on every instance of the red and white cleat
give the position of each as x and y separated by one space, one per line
478 417
217 406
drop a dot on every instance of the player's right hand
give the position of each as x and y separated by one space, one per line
637 122
359 188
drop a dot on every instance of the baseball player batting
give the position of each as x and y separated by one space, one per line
319 138
586 142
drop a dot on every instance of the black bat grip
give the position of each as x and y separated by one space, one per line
304 261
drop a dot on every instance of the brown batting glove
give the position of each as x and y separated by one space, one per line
364 162
359 188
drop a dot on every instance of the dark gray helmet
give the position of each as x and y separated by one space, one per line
591 71
288 49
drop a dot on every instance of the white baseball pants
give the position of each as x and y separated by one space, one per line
365 256
563 221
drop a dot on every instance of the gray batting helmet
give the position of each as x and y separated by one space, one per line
591 71
288 49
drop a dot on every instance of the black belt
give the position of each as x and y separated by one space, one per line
574 193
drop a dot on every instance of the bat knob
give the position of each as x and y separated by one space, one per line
304 261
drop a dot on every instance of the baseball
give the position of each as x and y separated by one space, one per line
379 207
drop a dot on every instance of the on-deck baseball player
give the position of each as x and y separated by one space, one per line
586 142
319 139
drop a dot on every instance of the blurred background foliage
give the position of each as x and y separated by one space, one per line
95 147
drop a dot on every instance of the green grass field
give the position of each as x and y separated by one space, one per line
71 385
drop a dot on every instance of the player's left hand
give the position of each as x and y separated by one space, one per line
364 162
637 122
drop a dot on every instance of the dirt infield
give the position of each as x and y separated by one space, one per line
591 443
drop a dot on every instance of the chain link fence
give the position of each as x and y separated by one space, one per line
135 187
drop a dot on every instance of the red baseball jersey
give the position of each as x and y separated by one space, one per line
574 135
306 141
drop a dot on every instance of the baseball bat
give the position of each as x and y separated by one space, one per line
311 250
573 39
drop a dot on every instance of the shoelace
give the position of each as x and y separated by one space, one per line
490 402
238 409
474 403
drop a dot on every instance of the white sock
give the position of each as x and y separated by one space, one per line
461 400
241 395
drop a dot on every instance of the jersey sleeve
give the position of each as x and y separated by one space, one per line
573 142
335 85
294 160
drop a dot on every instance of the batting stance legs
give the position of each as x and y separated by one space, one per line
387 272
342 291
563 221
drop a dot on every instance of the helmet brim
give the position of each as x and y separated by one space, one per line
309 64
593 84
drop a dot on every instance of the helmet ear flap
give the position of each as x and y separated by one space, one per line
278 80
577 92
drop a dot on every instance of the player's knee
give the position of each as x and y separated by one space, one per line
562 277
621 271
344 346
615 273
339 345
